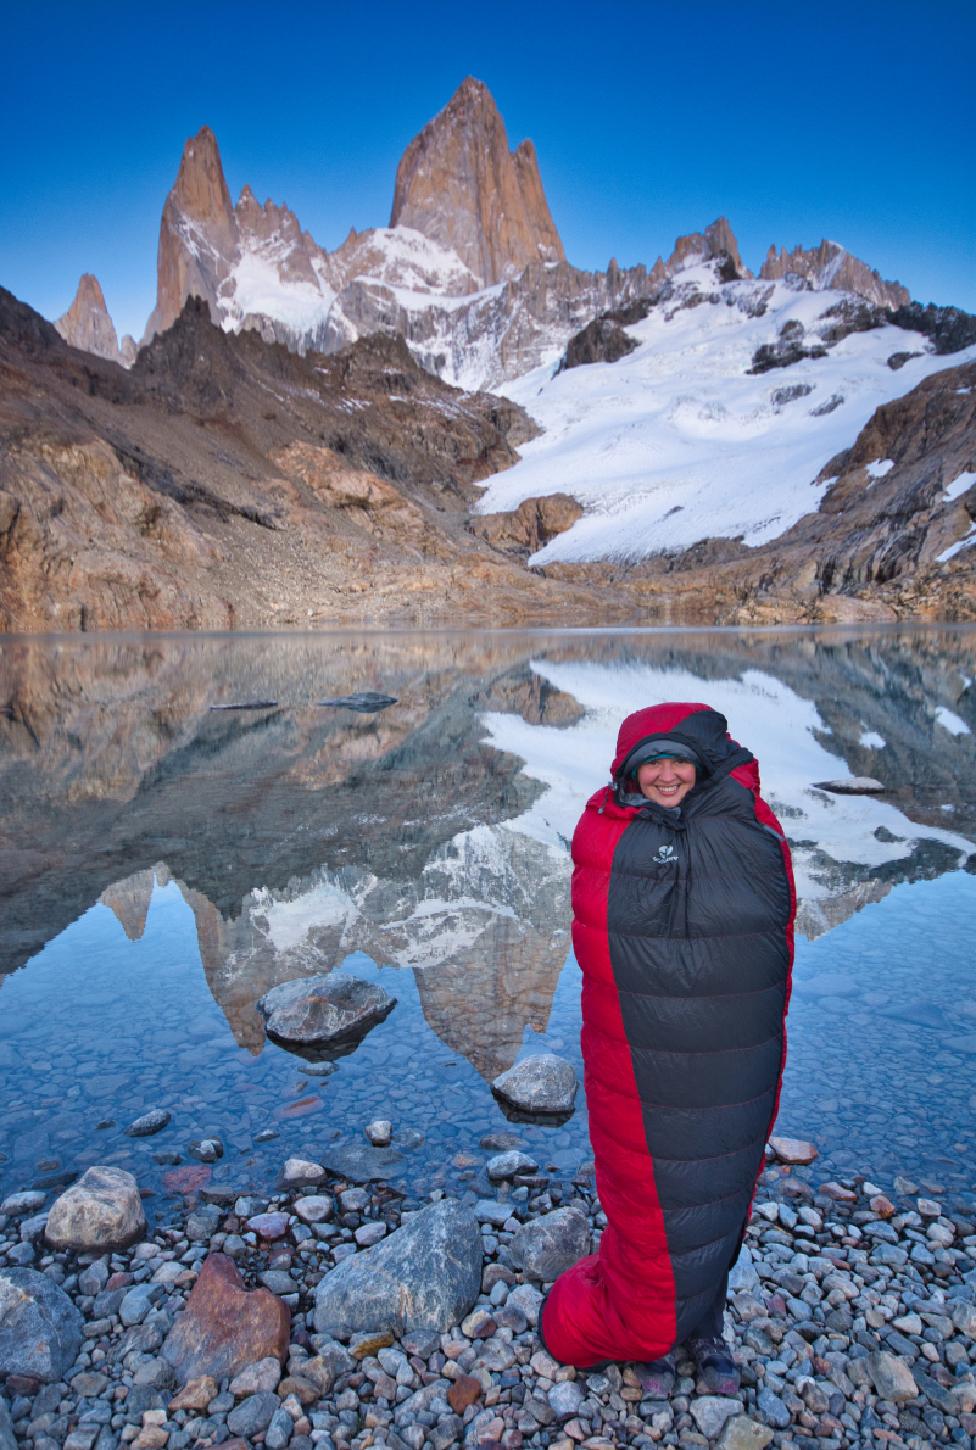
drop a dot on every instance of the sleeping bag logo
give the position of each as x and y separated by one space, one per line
666 856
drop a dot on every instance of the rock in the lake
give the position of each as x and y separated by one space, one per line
542 1083
424 1276
365 702
152 1122
546 1246
225 1327
208 1150
379 1132
300 1172
506 1165
793 1150
325 1010
40 1328
101 1211
851 785
361 1163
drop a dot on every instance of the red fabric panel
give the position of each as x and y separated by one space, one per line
618 1304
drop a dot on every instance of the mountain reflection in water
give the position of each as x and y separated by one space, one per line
431 837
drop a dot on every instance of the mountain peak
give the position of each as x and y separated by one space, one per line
197 233
460 185
200 191
87 323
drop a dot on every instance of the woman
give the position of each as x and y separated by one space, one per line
683 907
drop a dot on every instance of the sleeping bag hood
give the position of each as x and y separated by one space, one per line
683 929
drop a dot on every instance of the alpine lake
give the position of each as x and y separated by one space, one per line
164 863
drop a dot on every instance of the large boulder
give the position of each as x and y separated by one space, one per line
101 1212
542 1084
547 1246
40 1328
324 1011
425 1276
224 1326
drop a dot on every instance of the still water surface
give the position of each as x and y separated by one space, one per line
162 865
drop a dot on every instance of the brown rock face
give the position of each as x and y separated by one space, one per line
829 265
87 323
459 184
224 1327
529 527
717 240
197 234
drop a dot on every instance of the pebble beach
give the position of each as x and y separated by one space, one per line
852 1311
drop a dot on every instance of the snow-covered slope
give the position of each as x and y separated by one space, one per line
680 441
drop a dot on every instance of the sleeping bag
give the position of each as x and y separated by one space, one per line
683 929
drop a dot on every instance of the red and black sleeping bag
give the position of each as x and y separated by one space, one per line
683 929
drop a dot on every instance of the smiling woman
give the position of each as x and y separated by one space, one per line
683 908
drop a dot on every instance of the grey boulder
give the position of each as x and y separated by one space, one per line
542 1083
547 1246
323 1011
40 1328
101 1211
425 1276
851 785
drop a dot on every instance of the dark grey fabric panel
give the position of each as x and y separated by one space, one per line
698 909
696 1132
690 1080
701 1026
695 966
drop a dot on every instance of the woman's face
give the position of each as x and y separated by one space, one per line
666 782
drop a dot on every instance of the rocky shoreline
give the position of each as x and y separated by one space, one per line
853 1312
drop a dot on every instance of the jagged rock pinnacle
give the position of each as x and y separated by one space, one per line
460 185
87 323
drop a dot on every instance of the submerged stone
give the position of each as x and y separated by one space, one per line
323 1010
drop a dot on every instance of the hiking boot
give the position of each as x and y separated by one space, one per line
656 1377
716 1366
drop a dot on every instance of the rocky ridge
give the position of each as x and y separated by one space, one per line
471 270
224 481
831 266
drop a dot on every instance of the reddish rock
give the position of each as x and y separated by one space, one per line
189 1179
224 1326
838 1193
119 1280
463 1392
881 1205
301 1107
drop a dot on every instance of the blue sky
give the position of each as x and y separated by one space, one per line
649 119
